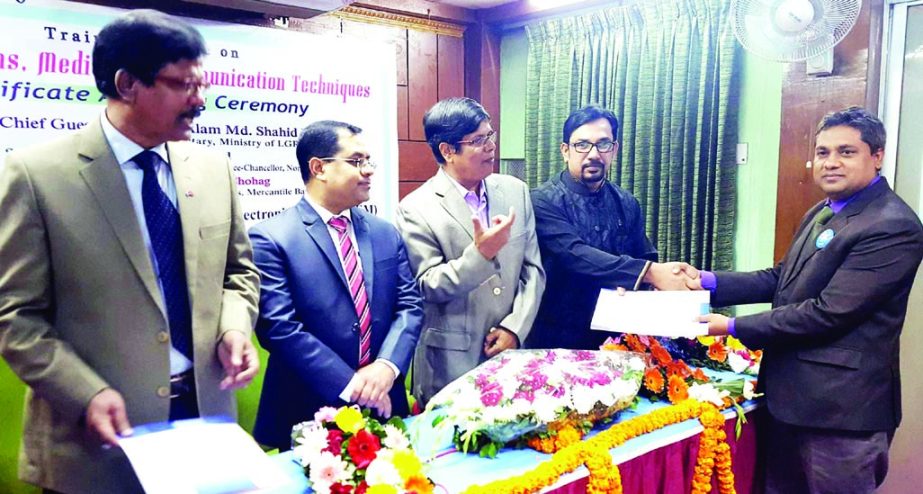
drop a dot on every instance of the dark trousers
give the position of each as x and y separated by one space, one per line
823 461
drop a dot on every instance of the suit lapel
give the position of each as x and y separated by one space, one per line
453 203
366 254
104 177
318 232
185 177
799 252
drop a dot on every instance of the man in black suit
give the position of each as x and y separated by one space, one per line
830 368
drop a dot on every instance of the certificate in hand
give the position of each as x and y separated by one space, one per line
654 313
199 456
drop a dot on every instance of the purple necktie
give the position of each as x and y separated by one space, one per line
356 287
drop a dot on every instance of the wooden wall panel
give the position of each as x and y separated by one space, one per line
422 83
403 106
451 62
417 162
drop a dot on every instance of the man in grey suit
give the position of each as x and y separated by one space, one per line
471 239
127 293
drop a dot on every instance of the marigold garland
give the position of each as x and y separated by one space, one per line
714 455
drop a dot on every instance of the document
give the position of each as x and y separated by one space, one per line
653 313
200 456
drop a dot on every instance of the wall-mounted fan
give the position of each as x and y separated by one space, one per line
793 30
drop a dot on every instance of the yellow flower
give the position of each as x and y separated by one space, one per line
381 489
349 420
407 464
734 343
706 340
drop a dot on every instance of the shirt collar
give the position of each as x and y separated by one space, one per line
482 196
578 187
325 214
124 148
838 206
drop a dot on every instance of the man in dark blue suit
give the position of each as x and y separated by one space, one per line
340 313
831 342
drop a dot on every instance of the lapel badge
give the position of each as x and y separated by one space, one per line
824 238
189 193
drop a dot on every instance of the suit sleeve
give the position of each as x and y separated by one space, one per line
441 280
281 332
401 341
531 279
28 339
560 239
879 265
746 288
240 292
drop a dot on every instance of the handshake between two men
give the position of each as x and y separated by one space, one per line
680 276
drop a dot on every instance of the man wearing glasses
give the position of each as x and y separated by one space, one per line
339 311
591 234
471 238
128 293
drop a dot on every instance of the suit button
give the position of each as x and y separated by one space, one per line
355 327
163 336
163 391
497 290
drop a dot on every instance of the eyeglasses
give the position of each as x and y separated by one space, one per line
481 141
603 146
356 162
189 86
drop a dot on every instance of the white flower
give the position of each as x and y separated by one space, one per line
327 470
706 393
584 399
394 438
312 441
382 471
545 408
738 363
749 391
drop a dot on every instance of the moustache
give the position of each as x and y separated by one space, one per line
193 113
595 164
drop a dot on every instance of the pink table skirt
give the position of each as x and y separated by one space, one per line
669 470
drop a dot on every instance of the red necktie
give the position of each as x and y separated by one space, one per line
356 287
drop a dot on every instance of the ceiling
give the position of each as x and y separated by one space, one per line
475 4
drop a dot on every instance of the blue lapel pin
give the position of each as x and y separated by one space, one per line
824 238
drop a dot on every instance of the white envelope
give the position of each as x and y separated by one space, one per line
653 313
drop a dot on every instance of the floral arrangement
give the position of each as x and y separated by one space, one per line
546 399
714 456
674 380
725 353
345 451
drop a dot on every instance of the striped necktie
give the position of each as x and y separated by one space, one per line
356 287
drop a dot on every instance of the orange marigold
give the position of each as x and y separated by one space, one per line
418 484
678 368
699 375
717 352
661 355
677 390
634 343
653 380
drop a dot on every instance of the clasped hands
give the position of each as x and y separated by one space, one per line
371 386
683 276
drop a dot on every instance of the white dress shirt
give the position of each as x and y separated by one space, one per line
124 150
325 216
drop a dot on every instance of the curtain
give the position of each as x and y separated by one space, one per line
669 69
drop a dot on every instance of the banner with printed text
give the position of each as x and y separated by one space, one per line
266 85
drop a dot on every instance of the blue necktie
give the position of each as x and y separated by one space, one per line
166 233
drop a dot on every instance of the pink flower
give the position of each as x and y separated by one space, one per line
334 441
325 414
327 470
